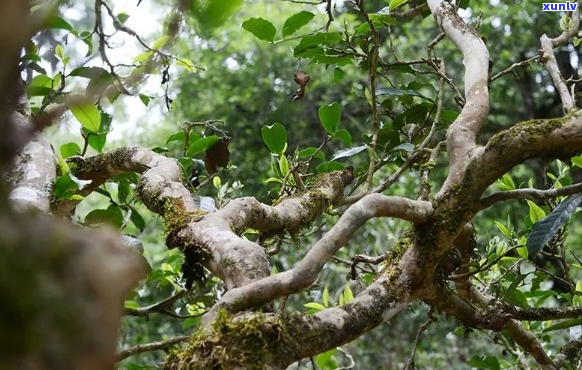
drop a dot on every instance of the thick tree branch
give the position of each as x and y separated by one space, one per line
555 138
461 135
307 270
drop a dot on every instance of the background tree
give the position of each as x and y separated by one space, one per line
296 145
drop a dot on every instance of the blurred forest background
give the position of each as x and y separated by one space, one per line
239 84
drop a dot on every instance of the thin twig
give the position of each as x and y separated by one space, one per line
154 346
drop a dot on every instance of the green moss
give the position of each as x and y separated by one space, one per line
241 342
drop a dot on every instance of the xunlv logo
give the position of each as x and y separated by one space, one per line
555 7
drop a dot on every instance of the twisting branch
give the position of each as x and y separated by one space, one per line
306 271
532 194
462 134
548 57
154 346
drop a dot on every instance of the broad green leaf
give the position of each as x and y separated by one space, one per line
311 151
261 28
86 113
343 135
275 136
544 230
137 219
535 212
144 99
320 38
178 136
131 304
70 149
295 22
89 72
349 152
396 3
577 161
55 22
141 58
60 52
505 183
209 15
329 166
187 64
484 362
202 144
407 147
122 17
105 216
329 116
160 42
97 142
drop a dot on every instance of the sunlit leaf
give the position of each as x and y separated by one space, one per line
275 136
296 21
86 113
261 28
329 116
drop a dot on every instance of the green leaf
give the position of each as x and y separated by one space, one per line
577 161
69 149
315 306
178 136
342 135
311 151
86 113
348 294
320 38
295 22
484 362
349 152
325 297
143 57
131 304
54 22
275 136
329 166
329 116
160 42
60 52
284 166
209 15
105 216
544 230
187 64
564 325
396 3
202 144
260 28
122 17
144 99
535 212
97 142
137 219
323 358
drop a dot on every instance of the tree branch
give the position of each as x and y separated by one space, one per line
307 270
461 135
154 346
532 194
